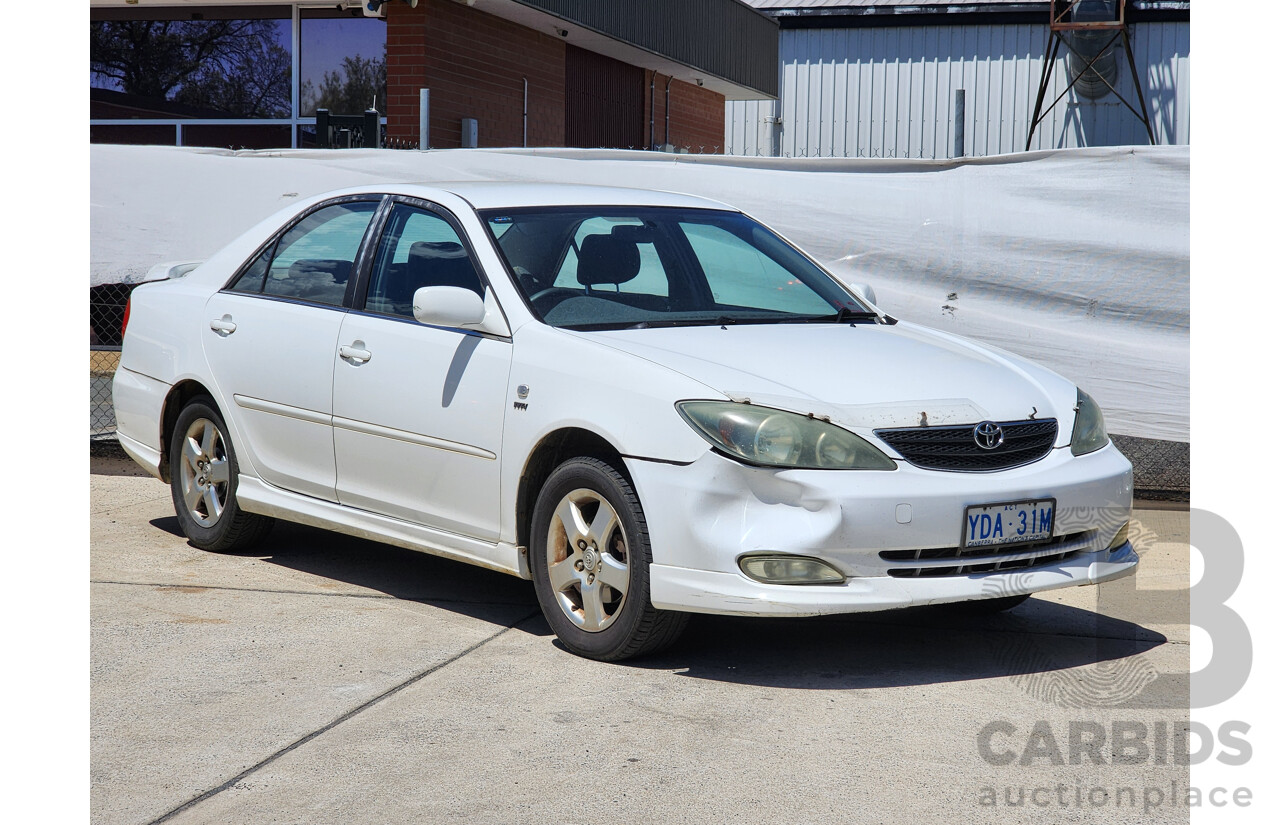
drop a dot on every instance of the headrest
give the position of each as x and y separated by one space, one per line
607 259
437 249
312 268
443 263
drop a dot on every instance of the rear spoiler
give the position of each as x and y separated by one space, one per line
170 269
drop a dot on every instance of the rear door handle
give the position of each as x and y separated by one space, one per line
224 326
355 353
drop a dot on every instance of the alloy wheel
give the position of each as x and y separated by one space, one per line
587 560
205 472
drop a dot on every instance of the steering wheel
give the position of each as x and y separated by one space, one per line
545 300
551 290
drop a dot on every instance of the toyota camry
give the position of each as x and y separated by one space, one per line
647 403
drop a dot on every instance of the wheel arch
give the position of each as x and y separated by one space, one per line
551 451
179 396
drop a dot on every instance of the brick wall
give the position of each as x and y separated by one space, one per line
697 115
473 63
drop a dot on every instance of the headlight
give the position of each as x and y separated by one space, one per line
774 438
1090 432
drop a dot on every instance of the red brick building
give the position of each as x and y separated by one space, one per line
591 73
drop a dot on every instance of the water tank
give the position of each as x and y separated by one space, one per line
1085 44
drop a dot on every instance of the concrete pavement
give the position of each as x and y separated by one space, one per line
328 679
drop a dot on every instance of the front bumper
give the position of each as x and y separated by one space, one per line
702 517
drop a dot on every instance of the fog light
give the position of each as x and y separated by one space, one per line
780 569
1121 537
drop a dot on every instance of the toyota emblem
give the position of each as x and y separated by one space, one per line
988 435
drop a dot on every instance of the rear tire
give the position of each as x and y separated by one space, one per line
589 554
203 475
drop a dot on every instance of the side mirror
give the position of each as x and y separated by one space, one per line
448 306
865 291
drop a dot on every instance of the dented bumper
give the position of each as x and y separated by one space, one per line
703 517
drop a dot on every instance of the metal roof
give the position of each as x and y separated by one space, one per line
810 4
769 5
805 14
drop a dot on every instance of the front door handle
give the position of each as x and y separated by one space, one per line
224 326
356 353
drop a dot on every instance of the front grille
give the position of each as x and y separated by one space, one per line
958 561
954 448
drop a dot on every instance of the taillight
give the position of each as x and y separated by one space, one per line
125 323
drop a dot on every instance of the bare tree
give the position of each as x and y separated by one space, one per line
234 66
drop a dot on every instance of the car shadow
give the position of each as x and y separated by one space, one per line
110 460
1035 644
404 574
914 646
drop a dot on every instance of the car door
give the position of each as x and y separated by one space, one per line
271 343
418 410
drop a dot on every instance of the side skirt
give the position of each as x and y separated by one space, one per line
257 497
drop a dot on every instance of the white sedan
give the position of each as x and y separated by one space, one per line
647 403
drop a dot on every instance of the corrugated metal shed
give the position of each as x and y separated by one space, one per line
891 92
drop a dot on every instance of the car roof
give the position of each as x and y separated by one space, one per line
514 195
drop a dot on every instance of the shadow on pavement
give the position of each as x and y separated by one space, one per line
913 646
110 460
395 571
898 648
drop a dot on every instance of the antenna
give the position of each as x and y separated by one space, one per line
1090 30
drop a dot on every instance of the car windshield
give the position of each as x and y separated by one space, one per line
593 268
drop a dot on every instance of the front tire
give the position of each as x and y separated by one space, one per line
203 474
589 554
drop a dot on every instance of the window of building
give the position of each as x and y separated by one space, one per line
229 75
343 63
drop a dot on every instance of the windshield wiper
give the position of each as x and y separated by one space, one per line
844 315
721 321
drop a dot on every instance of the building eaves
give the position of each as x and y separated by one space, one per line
826 14
726 45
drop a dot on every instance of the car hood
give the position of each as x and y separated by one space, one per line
860 376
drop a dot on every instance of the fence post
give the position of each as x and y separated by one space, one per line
424 118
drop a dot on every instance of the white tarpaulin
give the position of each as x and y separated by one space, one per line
1078 259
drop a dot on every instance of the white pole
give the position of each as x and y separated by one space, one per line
424 118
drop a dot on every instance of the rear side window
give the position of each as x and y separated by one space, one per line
313 260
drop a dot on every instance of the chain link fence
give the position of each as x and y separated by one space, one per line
1161 469
106 317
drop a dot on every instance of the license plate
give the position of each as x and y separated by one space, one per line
988 525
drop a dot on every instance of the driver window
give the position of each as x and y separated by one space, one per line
419 248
